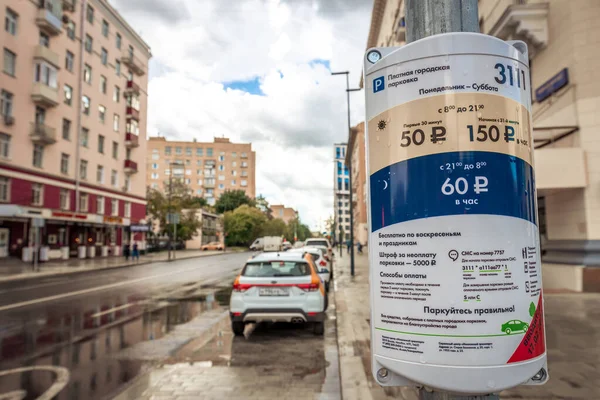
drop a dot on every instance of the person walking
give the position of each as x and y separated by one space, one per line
126 251
135 255
349 245
359 246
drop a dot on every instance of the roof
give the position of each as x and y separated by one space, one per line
279 256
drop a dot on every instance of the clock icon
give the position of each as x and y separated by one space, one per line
373 56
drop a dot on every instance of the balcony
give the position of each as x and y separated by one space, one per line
44 53
130 167
44 95
133 64
42 134
132 88
9 120
131 140
209 184
48 22
133 113
560 168
68 5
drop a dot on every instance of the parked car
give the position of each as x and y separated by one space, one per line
320 242
318 256
286 246
212 246
282 287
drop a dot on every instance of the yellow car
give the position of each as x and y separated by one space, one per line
212 246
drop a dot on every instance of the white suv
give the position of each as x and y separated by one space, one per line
278 287
319 258
320 242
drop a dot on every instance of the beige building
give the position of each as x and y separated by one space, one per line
210 231
356 154
284 213
208 168
73 109
563 38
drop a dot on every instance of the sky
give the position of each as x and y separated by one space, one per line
258 71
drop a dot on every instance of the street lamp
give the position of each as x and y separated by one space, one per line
170 215
348 90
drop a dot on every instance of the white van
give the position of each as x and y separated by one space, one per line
267 243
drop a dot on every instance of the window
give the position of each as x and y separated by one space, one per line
209 152
118 67
234 164
89 43
87 74
6 103
115 123
118 41
71 30
83 204
154 175
64 199
114 207
199 181
86 105
114 178
89 14
188 171
155 166
64 164
244 183
244 155
44 39
102 113
46 74
100 174
10 60
198 172
187 162
100 205
168 151
101 144
85 137
66 129
221 186
199 191
115 150
83 169
234 154
105 28
188 151
178 150
233 182
127 211
244 164
103 84
199 152
234 173
4 145
38 155
4 189
104 56
188 181
117 94
10 22
221 158
69 61
221 177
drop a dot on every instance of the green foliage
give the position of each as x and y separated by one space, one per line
295 226
263 205
232 199
243 225
274 227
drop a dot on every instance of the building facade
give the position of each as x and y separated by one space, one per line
341 193
563 39
73 111
284 213
356 156
210 231
208 168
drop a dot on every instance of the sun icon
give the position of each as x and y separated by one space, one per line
382 124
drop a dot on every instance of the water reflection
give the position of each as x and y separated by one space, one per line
85 338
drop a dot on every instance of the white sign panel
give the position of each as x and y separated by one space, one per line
454 243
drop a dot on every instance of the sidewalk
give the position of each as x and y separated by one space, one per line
15 270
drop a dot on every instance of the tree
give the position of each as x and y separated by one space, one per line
274 227
232 199
243 225
263 205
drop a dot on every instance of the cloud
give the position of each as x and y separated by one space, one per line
167 11
259 71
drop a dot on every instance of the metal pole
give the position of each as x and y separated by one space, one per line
175 236
169 212
431 17
350 180
35 248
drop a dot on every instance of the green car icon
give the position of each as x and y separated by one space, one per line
514 326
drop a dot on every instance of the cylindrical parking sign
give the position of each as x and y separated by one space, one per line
456 286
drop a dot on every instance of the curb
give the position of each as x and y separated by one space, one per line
17 278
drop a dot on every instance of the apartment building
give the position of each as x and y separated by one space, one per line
341 193
563 38
284 213
356 155
72 127
209 168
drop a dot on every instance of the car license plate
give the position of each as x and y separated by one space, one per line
277 291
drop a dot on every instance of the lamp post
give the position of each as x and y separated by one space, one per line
348 90
170 214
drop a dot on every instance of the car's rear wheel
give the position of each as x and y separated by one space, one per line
237 327
319 328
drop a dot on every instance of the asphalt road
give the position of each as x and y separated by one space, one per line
28 299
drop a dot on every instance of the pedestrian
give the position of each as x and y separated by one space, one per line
135 255
126 251
349 244
359 246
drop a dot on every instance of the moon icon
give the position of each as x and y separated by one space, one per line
386 185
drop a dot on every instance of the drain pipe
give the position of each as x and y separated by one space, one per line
79 103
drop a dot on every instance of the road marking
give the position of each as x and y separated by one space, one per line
91 290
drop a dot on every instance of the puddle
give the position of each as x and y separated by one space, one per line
87 339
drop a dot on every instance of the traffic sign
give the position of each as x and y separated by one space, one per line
453 205
173 218
38 222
